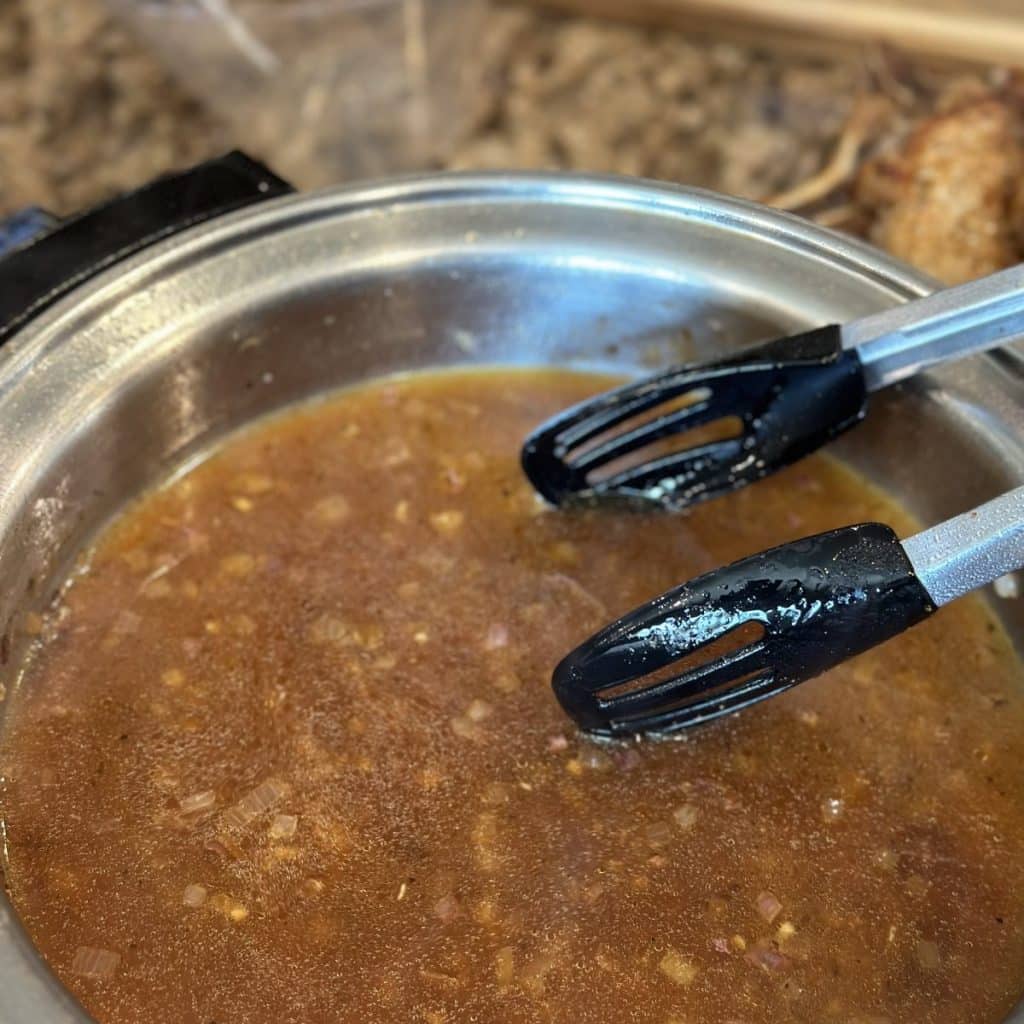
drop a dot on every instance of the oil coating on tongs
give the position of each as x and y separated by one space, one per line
814 602
788 397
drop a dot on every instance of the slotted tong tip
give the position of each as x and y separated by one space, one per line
813 603
789 396
785 398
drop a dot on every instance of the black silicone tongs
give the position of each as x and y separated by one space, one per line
780 401
811 603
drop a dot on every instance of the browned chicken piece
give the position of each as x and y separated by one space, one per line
949 201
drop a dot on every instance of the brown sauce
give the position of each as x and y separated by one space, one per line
288 753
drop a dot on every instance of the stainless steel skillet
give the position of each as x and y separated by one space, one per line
134 371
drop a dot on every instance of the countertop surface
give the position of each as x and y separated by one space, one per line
86 111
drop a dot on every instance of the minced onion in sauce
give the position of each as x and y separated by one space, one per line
287 752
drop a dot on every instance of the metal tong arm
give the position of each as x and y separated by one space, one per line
970 550
947 325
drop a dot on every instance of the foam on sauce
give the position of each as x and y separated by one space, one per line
288 752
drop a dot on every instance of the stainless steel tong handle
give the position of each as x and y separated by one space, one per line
949 324
970 550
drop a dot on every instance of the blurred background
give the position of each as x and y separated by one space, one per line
902 122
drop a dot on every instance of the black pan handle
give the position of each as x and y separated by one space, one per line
42 259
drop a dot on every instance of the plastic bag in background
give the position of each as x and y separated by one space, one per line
326 90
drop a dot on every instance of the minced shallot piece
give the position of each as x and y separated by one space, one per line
464 728
90 962
232 909
677 968
478 710
627 760
127 622
254 483
596 760
448 522
194 895
768 906
283 826
456 481
239 565
497 636
446 908
533 973
172 677
657 834
768 959
685 817
198 802
261 799
928 955
331 510
504 965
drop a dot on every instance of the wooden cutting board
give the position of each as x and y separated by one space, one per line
977 31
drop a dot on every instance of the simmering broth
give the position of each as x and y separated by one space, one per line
287 752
